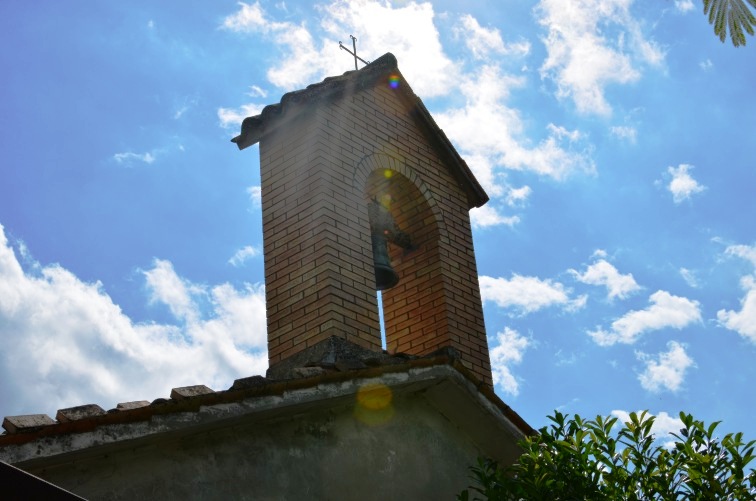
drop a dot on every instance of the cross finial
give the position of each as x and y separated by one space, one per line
354 46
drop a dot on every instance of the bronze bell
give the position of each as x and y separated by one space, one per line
385 276
383 230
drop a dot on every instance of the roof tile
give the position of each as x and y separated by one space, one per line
79 412
125 406
190 391
27 423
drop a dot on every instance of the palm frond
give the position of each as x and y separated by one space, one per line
731 15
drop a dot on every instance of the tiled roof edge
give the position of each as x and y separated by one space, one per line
253 128
260 388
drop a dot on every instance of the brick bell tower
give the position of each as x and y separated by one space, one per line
361 190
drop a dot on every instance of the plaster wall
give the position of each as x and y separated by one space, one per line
405 450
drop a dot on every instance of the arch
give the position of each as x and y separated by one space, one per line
413 309
378 161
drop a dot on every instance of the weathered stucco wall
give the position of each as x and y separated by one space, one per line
407 450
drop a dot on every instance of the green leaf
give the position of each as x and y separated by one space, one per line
734 16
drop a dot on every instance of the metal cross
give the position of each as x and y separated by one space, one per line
354 46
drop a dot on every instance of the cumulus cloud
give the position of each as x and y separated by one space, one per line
243 255
74 345
664 424
666 311
665 371
682 185
296 40
168 288
507 351
684 6
592 44
483 217
233 117
407 31
747 252
491 135
527 294
604 273
518 196
744 321
485 42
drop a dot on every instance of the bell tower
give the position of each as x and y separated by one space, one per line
362 191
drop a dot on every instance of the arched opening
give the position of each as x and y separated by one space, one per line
411 311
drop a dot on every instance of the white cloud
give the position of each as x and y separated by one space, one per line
666 311
407 31
292 71
255 195
527 294
592 44
684 6
486 216
747 252
167 287
625 132
706 64
491 135
256 91
683 186
604 273
600 253
247 18
518 196
690 277
242 255
510 346
74 345
129 157
744 321
667 370
232 118
485 42
663 426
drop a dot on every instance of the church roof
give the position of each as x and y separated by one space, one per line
254 128
334 368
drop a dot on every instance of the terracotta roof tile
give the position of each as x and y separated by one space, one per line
27 423
190 391
79 412
124 406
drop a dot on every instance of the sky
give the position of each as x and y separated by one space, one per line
617 253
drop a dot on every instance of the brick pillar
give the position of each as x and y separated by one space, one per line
318 257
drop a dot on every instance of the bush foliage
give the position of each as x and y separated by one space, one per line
578 459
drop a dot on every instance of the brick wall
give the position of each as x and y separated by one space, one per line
319 170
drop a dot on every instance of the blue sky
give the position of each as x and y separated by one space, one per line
617 256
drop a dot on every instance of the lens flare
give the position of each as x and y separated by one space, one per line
374 404
394 81
387 173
